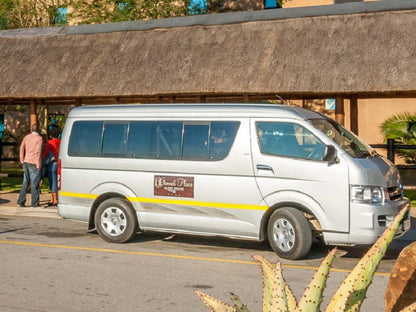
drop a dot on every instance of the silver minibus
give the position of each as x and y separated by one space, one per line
251 171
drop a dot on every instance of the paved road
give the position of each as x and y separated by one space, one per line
51 264
54 265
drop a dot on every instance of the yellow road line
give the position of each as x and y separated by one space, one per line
141 253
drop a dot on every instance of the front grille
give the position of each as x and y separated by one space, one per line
384 221
395 193
406 215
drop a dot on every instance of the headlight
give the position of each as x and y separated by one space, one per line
368 194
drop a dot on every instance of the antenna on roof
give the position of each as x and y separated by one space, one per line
281 99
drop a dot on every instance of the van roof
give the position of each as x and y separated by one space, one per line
192 110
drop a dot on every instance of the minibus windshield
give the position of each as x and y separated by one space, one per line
348 141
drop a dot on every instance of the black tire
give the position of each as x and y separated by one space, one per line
289 233
115 220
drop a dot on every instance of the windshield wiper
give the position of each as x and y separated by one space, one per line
363 154
367 154
375 154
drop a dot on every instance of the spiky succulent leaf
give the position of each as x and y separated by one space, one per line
213 304
401 289
290 298
274 290
312 298
238 305
352 291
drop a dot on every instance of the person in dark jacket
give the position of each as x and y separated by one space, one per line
50 160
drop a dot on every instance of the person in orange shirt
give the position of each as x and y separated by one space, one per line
50 158
31 157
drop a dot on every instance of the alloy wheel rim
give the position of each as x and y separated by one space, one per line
284 234
113 221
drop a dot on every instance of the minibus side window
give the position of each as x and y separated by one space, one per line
166 140
115 139
195 141
189 140
85 139
288 139
222 137
138 144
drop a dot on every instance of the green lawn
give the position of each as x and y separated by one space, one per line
412 196
13 183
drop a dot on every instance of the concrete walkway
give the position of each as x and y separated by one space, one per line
8 206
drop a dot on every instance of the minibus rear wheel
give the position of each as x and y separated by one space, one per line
115 220
289 233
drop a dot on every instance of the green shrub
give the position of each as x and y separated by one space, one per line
402 128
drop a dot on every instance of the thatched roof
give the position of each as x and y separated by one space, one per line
366 49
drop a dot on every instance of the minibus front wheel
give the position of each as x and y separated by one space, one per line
115 220
289 233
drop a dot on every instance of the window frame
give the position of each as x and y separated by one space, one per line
319 143
150 153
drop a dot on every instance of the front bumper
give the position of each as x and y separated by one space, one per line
369 221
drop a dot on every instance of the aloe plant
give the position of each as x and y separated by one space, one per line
278 297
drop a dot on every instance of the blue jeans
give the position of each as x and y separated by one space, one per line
31 176
53 176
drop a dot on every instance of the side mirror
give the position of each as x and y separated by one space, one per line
330 154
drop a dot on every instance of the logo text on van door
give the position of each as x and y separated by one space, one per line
174 186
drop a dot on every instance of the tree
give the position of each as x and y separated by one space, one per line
47 13
402 128
106 11
30 13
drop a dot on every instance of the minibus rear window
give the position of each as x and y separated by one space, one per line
86 138
181 140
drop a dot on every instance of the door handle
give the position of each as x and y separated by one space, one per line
264 167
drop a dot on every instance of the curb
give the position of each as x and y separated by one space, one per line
41 212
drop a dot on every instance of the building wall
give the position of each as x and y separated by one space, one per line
303 3
373 112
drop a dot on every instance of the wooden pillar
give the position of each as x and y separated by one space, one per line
33 114
201 99
77 102
354 114
339 110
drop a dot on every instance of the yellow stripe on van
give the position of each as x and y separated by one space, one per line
196 203
174 202
80 195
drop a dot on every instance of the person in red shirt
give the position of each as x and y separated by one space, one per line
50 160
30 157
